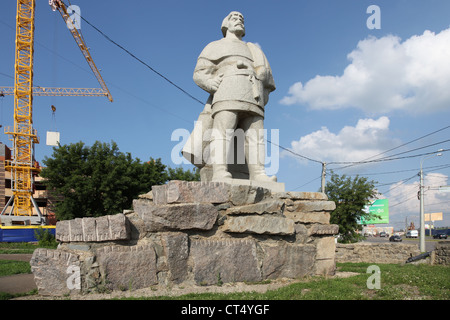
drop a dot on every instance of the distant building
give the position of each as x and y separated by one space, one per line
41 195
374 231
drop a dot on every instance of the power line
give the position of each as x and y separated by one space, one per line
307 183
402 145
397 204
428 146
6 75
400 183
398 171
387 159
294 153
141 61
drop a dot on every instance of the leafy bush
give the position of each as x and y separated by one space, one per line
45 238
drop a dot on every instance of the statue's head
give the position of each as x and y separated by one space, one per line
233 22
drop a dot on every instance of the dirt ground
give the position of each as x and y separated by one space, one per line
181 290
23 283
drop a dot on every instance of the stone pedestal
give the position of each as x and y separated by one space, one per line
192 233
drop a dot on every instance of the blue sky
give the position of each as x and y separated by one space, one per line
345 93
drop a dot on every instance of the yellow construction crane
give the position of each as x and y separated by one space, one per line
23 136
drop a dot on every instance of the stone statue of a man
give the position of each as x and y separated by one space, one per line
239 79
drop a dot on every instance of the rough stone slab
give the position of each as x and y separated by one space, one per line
148 196
312 206
199 216
326 248
265 224
208 192
176 191
102 229
272 186
199 192
246 194
320 229
50 269
308 217
128 267
117 227
224 261
176 250
301 233
89 226
288 261
325 267
75 229
106 228
159 194
266 206
300 195
62 231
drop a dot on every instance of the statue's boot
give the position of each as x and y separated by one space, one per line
257 172
219 163
220 172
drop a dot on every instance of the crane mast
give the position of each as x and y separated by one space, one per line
22 134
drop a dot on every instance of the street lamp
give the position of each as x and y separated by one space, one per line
422 215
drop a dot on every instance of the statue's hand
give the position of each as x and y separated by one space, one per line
262 73
242 65
215 82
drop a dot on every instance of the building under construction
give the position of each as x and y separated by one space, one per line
40 196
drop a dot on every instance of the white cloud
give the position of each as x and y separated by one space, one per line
385 74
368 138
403 197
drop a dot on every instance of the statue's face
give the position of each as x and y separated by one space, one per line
236 23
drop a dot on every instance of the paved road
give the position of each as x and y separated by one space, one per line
430 244
18 283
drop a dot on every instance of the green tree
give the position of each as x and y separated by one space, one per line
186 175
350 196
98 180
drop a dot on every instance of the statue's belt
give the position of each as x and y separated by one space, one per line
251 77
229 72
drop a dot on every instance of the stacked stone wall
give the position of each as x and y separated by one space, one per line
192 233
442 253
376 252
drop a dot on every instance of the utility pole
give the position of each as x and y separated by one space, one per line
324 170
422 215
422 218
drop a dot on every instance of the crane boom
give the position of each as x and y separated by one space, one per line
60 6
60 92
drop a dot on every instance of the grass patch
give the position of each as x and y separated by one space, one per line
17 247
23 247
10 267
8 296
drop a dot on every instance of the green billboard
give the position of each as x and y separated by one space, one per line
378 212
